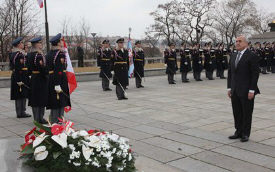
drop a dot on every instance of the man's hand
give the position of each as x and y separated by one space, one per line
229 94
250 96
58 89
165 65
112 72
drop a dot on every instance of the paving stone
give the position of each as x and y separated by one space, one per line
133 134
208 136
261 135
168 126
256 147
248 156
197 142
229 163
155 153
151 130
270 142
148 165
192 165
216 126
177 147
8 122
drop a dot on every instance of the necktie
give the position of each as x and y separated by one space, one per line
238 59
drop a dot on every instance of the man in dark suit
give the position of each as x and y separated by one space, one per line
243 74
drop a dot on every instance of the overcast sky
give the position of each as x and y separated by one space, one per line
112 17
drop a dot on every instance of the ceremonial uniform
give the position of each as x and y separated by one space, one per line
39 80
265 56
220 61
185 63
58 89
197 63
139 62
120 66
104 61
170 59
209 63
272 57
19 79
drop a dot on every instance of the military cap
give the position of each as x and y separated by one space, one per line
171 44
195 43
273 42
105 41
120 40
56 38
138 42
16 41
256 43
183 42
35 40
217 44
264 43
205 44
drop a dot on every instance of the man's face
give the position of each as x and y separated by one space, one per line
106 45
241 44
172 47
120 45
39 45
20 45
61 43
138 45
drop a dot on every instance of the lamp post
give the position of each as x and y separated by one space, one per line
94 34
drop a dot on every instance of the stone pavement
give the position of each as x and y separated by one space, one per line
182 127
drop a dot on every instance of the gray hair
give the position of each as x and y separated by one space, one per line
246 37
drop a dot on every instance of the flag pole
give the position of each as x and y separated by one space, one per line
47 28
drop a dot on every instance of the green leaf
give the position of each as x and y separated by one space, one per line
47 129
28 149
56 154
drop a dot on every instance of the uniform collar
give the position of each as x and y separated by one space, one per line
15 49
56 48
36 50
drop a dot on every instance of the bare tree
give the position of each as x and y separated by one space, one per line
234 17
262 18
197 17
85 31
17 18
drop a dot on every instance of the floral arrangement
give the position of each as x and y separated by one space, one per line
60 147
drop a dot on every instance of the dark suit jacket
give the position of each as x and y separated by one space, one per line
245 76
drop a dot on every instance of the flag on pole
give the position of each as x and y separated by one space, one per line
40 3
70 74
131 61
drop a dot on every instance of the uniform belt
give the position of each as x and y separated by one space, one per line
138 60
105 59
50 72
35 72
120 62
24 68
171 59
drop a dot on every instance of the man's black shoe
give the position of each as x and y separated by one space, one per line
244 139
235 136
125 98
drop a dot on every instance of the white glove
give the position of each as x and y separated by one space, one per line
58 89
210 62
199 62
165 65
19 83
185 63
112 72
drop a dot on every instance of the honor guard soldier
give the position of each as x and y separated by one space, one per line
265 56
103 61
268 47
197 61
19 78
185 62
121 65
258 51
225 60
170 60
39 80
58 89
139 62
272 57
220 61
209 58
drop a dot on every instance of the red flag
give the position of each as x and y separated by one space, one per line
40 3
70 74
